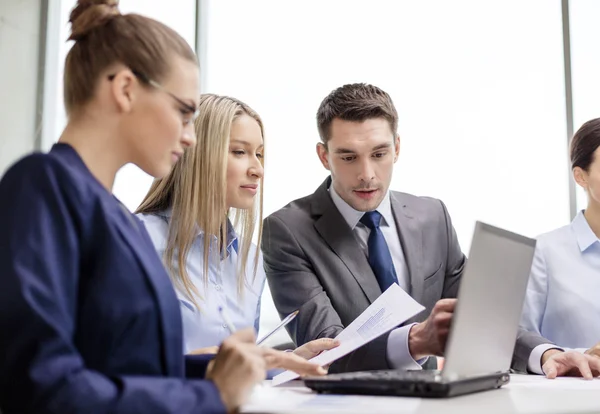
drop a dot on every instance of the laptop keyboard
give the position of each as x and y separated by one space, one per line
387 375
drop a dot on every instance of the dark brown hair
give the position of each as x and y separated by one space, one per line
355 102
584 144
103 36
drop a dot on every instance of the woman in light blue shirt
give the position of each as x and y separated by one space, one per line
192 216
563 295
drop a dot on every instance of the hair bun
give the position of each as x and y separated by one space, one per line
90 14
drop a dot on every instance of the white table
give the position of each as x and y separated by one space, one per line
524 394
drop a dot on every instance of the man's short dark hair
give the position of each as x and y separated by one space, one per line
355 102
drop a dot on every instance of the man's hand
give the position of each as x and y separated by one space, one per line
313 348
557 363
429 337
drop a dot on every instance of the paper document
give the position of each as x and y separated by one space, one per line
388 311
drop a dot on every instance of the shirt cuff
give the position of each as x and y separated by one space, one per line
398 354
534 365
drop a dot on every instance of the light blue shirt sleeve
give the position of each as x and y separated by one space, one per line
534 307
537 290
561 302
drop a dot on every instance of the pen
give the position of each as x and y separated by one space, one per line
226 319
284 322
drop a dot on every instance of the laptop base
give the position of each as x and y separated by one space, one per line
403 384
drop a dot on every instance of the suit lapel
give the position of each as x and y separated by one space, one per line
134 233
338 235
411 240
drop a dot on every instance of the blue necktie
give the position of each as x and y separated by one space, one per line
380 258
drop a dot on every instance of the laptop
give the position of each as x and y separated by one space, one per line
482 335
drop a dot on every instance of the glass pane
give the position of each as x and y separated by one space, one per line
479 91
585 61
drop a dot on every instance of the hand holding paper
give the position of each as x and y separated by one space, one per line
390 310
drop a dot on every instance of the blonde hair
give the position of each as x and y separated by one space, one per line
195 191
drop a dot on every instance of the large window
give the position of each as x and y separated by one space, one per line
478 86
585 61
479 92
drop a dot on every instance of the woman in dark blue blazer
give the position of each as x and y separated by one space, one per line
89 320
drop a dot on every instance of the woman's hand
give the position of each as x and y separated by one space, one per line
207 350
313 348
594 351
240 364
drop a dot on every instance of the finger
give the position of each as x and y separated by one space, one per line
207 350
594 364
241 338
322 344
442 319
261 367
443 335
550 369
253 349
244 335
287 360
584 368
446 305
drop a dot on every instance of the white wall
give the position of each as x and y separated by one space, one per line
19 39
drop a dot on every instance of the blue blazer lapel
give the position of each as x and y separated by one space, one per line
135 234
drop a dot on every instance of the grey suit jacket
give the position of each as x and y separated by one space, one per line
314 264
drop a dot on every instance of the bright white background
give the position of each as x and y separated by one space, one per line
478 86
585 60
480 95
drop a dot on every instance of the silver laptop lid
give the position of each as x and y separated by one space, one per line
490 301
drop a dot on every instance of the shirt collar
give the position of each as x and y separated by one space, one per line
231 236
353 216
583 232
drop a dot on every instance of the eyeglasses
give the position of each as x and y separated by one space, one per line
186 107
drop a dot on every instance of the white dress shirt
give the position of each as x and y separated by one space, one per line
563 302
398 354
205 327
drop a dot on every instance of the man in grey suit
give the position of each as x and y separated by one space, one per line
331 254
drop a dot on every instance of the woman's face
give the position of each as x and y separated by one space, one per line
244 162
162 124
